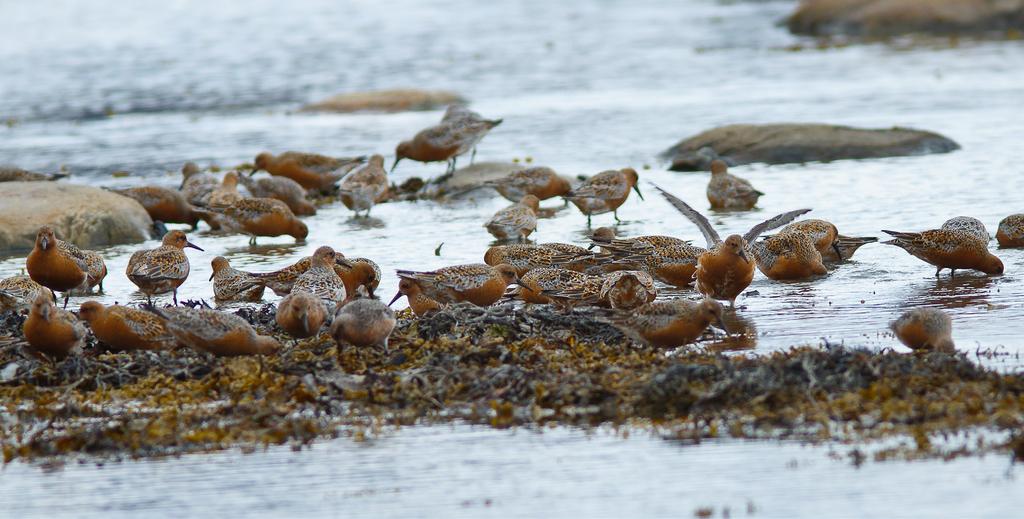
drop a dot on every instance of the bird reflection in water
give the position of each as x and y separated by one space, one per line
960 292
742 334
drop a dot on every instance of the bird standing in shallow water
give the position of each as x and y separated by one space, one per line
605 192
516 222
479 284
52 331
231 284
727 191
312 171
948 249
924 329
459 132
788 256
280 188
364 187
725 270
163 269
363 322
667 324
540 182
263 217
1011 231
125 328
60 266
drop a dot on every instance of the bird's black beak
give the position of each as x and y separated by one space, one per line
343 262
211 276
839 252
192 245
721 324
743 254
395 164
638 193
393 299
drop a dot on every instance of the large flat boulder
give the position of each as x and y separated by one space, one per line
795 143
83 215
399 100
883 18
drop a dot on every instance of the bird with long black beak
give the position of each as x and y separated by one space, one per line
421 304
458 133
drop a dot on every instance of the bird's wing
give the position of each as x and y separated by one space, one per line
773 223
698 219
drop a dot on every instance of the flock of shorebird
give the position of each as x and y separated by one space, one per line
617 277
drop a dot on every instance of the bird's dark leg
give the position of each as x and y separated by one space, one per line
175 296
67 296
615 213
952 273
588 220
472 156
252 240
937 271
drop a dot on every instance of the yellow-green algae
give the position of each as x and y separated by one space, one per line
500 367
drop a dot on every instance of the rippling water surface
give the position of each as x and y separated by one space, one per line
582 87
470 472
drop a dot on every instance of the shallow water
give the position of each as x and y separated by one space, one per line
463 471
582 88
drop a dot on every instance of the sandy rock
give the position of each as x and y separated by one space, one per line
84 215
795 143
881 18
399 100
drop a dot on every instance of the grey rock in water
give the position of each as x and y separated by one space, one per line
885 18
796 143
83 215
388 101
